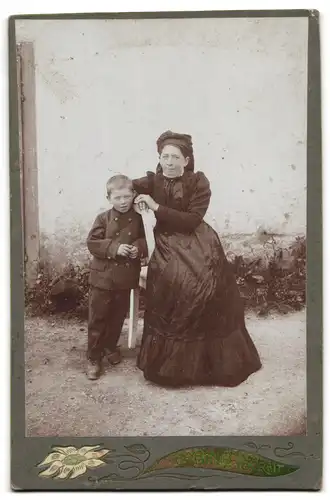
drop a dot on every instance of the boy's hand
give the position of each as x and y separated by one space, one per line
134 252
124 250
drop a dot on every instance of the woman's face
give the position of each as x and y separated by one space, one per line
172 161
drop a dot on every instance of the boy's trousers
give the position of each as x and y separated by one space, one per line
107 312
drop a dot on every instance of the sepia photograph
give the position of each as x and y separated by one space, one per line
163 167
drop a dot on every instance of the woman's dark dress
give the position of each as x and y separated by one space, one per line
194 328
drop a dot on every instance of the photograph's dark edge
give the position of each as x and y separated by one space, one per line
306 451
314 237
169 15
16 272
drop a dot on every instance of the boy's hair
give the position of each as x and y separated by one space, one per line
119 181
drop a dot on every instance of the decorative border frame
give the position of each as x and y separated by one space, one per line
130 463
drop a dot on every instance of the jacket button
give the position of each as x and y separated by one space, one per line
116 264
117 234
129 220
129 234
127 264
116 218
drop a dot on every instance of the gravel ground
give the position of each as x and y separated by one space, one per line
60 401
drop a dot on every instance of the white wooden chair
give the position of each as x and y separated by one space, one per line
134 309
149 221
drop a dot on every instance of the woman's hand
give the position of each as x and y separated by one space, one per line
150 202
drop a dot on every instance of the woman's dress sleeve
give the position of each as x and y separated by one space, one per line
144 185
198 204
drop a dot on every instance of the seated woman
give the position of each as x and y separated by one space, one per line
194 327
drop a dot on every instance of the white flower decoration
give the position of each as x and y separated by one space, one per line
69 462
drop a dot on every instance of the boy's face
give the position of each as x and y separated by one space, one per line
121 199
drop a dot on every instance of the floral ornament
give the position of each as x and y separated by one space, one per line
69 462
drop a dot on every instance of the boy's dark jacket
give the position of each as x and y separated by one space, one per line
111 229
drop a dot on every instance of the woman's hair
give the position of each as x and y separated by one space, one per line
119 181
181 141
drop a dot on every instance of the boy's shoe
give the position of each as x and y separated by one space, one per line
114 357
93 369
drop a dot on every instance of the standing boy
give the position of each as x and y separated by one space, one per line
117 243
